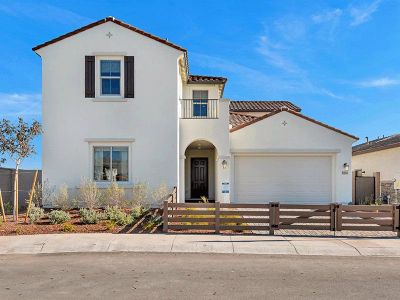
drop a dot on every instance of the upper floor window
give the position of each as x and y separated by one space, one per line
110 77
200 103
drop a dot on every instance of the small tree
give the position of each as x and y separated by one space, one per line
16 141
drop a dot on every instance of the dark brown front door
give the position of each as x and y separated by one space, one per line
199 182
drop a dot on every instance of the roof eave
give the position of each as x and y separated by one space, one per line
102 21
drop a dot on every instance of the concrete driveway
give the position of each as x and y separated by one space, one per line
186 243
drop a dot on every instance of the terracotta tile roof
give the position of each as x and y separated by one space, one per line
245 124
261 106
377 145
237 119
206 79
105 20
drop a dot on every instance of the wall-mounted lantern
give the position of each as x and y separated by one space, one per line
224 164
346 168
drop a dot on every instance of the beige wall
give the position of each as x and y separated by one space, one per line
386 161
210 154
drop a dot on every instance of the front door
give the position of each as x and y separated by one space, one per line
199 176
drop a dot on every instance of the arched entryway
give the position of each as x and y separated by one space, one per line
200 181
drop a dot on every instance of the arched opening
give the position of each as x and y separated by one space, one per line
200 170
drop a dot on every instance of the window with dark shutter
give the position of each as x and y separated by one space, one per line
129 76
89 76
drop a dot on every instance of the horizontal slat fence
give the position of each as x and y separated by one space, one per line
274 216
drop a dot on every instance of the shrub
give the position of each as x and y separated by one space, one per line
160 194
89 216
113 195
44 194
110 225
89 194
35 213
140 193
68 227
62 198
8 208
138 211
152 222
58 217
113 213
18 229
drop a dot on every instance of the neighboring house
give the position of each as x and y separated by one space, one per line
381 155
120 104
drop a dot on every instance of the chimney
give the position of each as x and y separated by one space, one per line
366 138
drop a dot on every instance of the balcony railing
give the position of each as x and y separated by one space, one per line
199 108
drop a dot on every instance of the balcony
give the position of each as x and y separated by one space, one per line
199 108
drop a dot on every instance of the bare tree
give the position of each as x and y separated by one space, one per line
16 141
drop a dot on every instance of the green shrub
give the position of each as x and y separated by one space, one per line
138 211
58 217
152 222
35 214
110 225
8 208
89 216
68 227
113 213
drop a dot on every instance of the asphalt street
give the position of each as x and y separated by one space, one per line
196 276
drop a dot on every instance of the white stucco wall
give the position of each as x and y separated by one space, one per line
299 136
215 131
147 123
387 162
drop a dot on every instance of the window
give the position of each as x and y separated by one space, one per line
200 103
110 163
110 77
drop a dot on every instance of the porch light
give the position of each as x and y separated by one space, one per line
224 164
346 168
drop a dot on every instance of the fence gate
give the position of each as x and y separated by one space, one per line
364 189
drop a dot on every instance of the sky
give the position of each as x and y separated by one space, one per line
338 60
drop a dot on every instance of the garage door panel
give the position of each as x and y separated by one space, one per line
287 179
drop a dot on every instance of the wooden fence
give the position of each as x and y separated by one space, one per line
274 216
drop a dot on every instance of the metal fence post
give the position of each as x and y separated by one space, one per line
217 216
396 219
333 216
339 219
273 217
165 216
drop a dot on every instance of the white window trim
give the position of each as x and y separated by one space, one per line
110 143
100 97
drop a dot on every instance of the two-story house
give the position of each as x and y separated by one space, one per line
119 104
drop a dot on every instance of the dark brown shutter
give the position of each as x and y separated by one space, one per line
89 76
129 76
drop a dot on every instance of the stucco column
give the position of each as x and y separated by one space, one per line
181 182
222 179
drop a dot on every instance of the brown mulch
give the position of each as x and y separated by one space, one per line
45 227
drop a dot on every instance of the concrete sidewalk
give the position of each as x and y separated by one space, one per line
184 243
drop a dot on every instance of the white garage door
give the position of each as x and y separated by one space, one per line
287 179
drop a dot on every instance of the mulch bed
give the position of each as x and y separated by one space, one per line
45 227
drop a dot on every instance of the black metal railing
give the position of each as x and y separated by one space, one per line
199 108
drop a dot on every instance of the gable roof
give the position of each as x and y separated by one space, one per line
261 106
245 124
379 144
115 21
